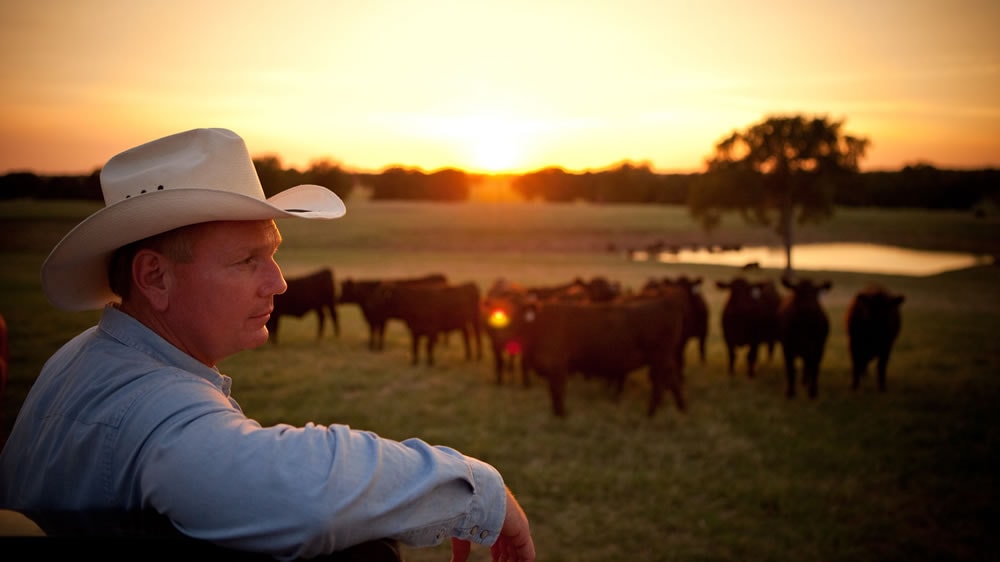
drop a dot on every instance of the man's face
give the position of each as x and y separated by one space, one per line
220 302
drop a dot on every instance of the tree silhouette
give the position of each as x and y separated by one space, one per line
784 165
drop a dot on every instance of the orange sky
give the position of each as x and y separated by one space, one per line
481 85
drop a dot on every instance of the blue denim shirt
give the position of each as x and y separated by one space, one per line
121 419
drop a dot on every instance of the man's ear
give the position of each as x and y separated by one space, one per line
152 276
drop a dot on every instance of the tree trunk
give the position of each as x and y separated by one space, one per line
786 229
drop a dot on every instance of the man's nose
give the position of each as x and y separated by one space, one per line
276 284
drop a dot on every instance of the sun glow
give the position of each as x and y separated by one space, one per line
493 154
484 143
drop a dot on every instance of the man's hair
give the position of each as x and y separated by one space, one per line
176 244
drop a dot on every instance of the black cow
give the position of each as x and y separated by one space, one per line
315 291
610 339
375 310
873 323
770 300
803 329
430 311
746 319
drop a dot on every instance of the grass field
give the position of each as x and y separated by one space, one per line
744 475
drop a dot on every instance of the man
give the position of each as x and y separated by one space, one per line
133 414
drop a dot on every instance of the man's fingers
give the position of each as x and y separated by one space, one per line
460 550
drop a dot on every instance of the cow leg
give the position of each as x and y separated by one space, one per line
732 357
557 391
811 374
478 338
498 362
525 370
617 381
674 380
431 341
883 365
656 383
679 358
859 368
701 349
789 372
467 343
319 331
666 377
414 348
335 319
752 360
380 335
681 350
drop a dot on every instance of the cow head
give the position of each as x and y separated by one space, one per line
876 304
805 290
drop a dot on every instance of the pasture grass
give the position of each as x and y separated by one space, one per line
744 475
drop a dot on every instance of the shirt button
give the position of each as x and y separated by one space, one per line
484 534
474 530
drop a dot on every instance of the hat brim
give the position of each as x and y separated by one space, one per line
74 275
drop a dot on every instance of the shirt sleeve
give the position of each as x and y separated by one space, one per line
301 491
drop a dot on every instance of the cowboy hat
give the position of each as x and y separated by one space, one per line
196 176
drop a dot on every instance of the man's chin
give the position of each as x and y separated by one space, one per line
258 339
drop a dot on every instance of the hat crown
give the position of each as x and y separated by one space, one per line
208 158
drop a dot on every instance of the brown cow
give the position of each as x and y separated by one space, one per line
803 329
503 310
430 311
873 323
746 319
696 317
506 305
314 291
610 339
374 310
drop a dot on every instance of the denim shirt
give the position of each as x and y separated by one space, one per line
121 419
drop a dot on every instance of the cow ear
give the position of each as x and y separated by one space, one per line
722 284
898 299
696 281
787 283
826 286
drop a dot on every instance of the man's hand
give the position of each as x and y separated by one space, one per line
514 543
460 550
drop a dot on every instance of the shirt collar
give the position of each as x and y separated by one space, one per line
132 333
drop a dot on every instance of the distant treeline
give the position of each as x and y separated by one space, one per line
917 186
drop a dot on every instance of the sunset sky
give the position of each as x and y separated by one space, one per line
507 85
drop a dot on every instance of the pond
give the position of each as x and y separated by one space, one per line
853 257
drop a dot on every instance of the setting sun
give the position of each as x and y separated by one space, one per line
494 152
483 143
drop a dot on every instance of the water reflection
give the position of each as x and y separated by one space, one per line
861 258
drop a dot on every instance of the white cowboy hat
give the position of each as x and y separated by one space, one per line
196 176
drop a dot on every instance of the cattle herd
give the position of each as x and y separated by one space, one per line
594 328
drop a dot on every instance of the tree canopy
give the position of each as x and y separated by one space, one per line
780 170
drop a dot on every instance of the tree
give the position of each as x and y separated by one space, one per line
784 165
330 175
